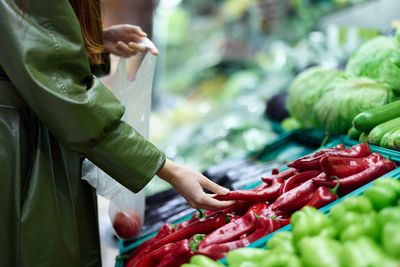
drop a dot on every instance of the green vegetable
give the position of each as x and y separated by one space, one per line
320 251
236 257
377 133
310 222
394 139
353 133
391 239
394 143
282 242
367 120
381 196
365 225
304 92
389 136
346 97
346 219
389 215
378 59
203 261
361 253
248 264
363 138
394 183
189 265
279 259
357 204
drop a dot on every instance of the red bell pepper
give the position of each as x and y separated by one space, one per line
269 193
234 229
323 196
238 208
152 258
201 226
283 175
177 257
262 227
164 231
297 180
296 198
352 182
312 162
343 167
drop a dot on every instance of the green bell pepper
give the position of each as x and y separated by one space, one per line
237 256
387 262
387 215
203 261
358 204
365 225
391 239
280 259
394 183
361 253
320 251
248 264
345 220
282 242
189 265
381 195
311 222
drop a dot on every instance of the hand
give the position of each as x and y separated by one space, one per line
127 40
190 185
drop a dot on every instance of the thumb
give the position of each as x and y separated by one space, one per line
213 187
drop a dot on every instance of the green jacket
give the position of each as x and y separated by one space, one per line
53 113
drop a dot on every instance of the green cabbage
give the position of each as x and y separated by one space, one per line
345 98
306 89
378 59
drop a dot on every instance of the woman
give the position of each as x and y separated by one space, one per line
53 113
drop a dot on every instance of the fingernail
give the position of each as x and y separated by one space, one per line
225 190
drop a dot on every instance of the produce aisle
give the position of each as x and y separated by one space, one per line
298 116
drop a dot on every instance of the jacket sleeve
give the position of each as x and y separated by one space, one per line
42 52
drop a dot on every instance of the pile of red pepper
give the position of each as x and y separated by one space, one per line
310 181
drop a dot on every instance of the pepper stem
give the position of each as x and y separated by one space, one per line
335 189
325 140
200 214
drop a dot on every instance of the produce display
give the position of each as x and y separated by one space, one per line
378 59
330 99
360 231
311 180
379 126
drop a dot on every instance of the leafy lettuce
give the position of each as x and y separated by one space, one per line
345 97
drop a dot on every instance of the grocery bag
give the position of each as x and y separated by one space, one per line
126 209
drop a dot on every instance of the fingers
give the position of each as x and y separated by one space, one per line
213 187
148 44
125 50
136 30
137 47
207 202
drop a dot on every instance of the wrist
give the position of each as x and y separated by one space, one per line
167 172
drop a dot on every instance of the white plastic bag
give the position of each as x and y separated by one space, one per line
126 209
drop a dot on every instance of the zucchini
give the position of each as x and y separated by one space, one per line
379 131
363 138
353 133
367 120
394 140
385 140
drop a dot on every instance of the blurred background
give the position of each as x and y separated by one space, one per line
225 66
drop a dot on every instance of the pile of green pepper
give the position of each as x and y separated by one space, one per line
361 231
